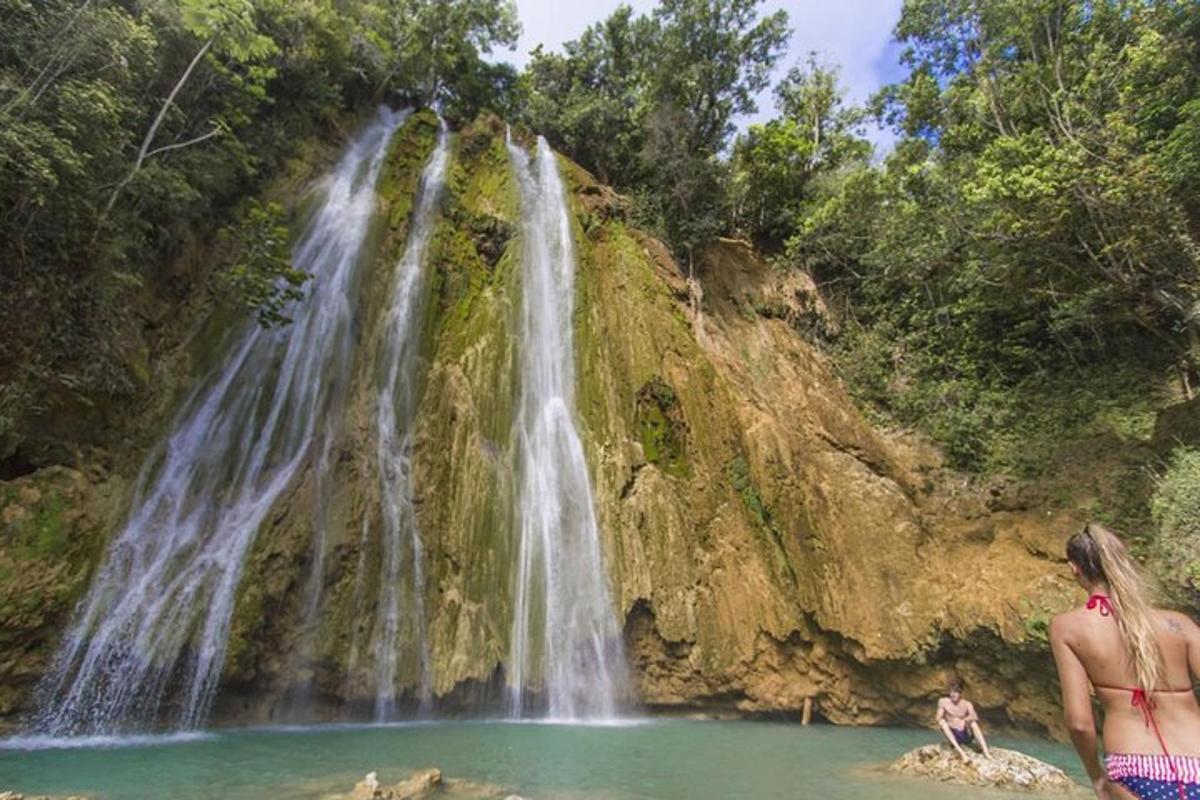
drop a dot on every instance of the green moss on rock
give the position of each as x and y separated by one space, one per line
53 527
662 430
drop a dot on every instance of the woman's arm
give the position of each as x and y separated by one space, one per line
1192 635
1077 705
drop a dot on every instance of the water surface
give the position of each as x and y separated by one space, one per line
652 760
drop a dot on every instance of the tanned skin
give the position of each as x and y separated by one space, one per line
1088 648
956 713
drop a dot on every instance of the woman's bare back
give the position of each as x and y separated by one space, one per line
1096 640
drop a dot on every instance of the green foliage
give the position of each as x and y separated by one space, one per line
1175 507
429 52
41 532
661 427
128 129
739 476
648 104
711 58
781 165
49 529
684 197
1029 234
591 100
262 277
738 472
1037 627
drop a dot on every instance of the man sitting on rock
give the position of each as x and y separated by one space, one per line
958 720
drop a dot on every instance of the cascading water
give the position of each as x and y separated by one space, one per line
156 618
565 638
395 411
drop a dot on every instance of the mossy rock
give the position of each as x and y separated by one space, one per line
662 427
53 527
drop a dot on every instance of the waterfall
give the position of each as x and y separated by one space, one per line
565 638
395 410
156 619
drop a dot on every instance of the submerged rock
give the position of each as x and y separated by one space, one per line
1006 769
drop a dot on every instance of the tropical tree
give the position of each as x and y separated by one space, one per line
777 164
425 48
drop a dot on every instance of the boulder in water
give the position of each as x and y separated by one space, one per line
365 789
1006 769
424 784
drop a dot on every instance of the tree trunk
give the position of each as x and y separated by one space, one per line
1189 365
150 134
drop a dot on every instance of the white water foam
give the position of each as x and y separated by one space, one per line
566 646
44 742
402 580
156 619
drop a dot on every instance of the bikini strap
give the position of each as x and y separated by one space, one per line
1101 602
1145 703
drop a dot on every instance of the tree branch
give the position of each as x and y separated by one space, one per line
179 145
150 134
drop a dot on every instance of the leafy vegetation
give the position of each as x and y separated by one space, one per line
648 103
1176 510
1021 270
262 276
130 127
1026 258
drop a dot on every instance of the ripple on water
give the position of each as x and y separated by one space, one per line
41 742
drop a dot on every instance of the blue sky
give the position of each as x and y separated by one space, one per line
854 34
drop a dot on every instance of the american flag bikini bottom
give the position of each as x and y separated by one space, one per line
1155 777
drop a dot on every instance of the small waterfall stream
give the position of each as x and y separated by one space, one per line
401 572
156 620
565 637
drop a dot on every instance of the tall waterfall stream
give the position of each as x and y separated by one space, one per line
157 615
565 635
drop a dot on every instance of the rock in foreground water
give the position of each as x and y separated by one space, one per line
425 784
1006 769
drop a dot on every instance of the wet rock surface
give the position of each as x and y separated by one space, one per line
424 784
1006 769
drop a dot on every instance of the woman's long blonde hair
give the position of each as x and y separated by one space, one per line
1101 556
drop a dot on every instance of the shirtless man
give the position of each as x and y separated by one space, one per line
959 722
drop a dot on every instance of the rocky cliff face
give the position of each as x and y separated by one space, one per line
764 543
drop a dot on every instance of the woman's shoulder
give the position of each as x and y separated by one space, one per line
1176 621
1065 621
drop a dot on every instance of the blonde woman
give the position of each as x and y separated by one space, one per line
1140 661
